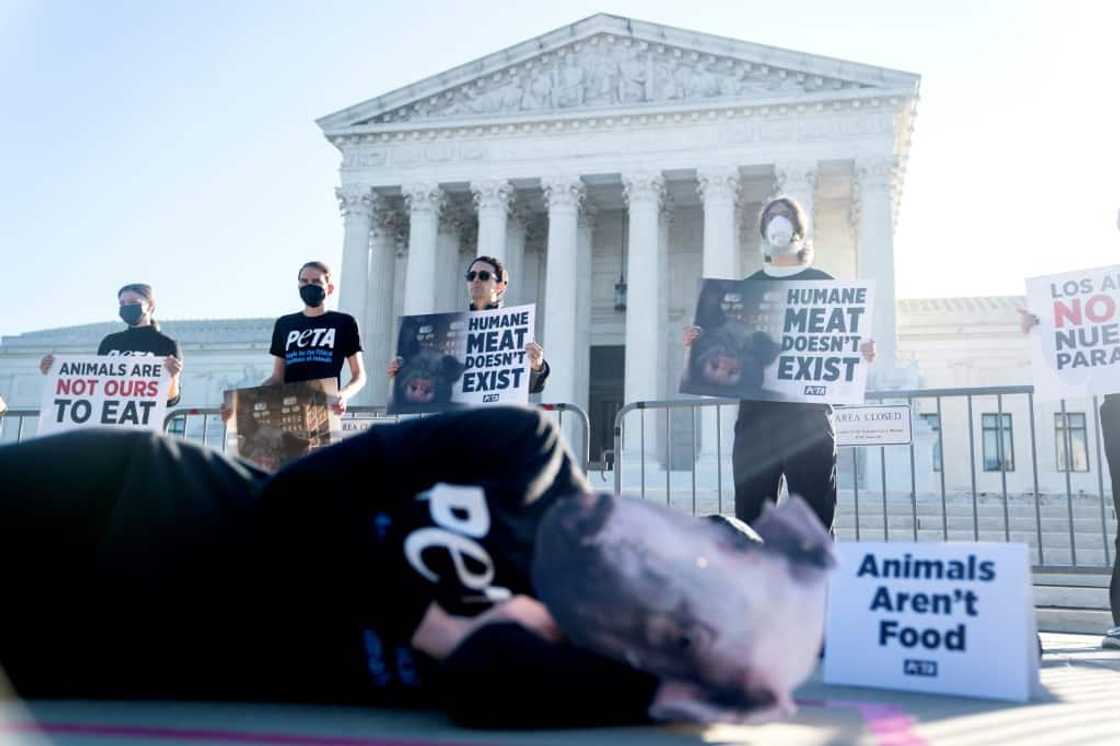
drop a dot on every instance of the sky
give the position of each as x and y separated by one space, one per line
174 142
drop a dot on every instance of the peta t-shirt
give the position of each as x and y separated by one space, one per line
314 347
141 341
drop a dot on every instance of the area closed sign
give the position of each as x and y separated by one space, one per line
948 618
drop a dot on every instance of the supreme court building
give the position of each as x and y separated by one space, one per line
611 164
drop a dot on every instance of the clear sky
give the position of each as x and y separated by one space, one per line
173 142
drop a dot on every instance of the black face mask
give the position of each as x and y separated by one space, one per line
313 295
131 313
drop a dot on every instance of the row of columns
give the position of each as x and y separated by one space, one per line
367 275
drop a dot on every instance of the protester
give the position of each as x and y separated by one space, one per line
313 343
487 282
794 439
142 337
1110 433
405 581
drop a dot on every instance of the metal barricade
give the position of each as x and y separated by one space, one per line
211 430
967 487
14 425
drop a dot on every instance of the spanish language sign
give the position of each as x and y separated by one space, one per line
1075 351
945 617
879 425
781 341
452 360
104 391
275 425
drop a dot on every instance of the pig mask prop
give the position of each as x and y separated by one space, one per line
731 626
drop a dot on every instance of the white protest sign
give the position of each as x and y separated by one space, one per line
104 391
880 425
497 366
946 618
1075 351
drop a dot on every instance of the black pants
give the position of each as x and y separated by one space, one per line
776 438
1110 430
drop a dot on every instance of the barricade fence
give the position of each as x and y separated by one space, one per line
979 467
984 463
205 424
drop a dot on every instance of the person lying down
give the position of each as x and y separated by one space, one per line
460 560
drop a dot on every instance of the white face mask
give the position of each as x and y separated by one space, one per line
779 236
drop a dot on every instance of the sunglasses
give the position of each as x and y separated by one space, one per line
482 274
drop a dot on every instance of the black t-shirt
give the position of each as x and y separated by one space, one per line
314 347
438 509
143 341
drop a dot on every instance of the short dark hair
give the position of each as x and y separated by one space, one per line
316 265
499 268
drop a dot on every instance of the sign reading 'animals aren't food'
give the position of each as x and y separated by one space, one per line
948 618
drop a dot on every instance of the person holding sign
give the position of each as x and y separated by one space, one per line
487 281
776 438
1110 435
142 337
314 343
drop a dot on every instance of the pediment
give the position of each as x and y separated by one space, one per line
608 62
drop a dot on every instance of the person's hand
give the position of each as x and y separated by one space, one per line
524 610
173 364
338 405
1027 320
46 363
690 335
536 355
394 366
869 351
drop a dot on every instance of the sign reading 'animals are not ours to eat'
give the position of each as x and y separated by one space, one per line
104 391
948 618
463 359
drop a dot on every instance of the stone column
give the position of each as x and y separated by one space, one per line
874 190
718 187
492 200
450 295
424 202
379 335
587 218
357 204
669 338
644 194
563 196
516 228
798 179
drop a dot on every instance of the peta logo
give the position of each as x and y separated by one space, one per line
310 338
815 390
915 667
461 516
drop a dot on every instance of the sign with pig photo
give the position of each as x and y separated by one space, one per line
454 360
776 340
